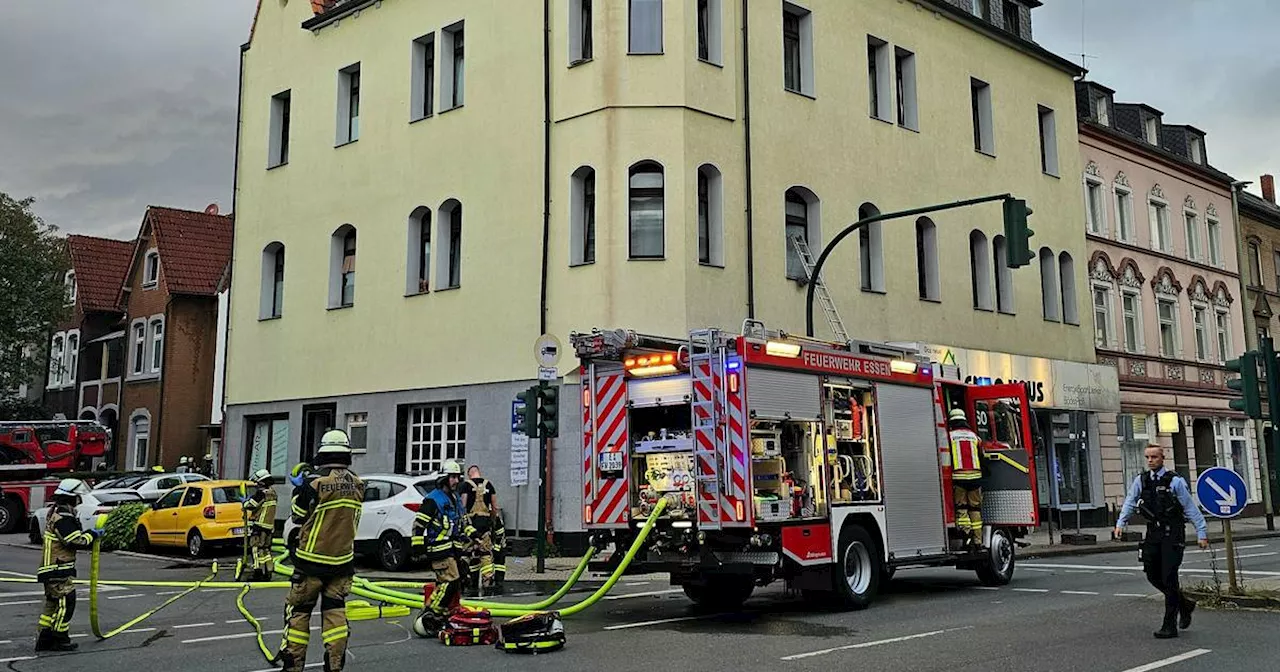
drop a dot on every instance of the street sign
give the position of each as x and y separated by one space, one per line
519 448
1221 492
548 373
546 351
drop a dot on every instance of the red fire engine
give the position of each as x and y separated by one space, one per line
782 458
30 450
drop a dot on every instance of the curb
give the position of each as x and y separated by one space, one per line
1120 547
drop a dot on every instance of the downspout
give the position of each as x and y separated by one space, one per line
157 422
235 191
746 131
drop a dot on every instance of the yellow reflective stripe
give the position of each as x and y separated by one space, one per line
339 504
417 541
315 530
325 559
299 511
297 636
339 632
45 621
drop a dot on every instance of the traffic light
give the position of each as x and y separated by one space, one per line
548 410
527 420
1017 236
1246 384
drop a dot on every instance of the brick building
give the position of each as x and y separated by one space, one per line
170 297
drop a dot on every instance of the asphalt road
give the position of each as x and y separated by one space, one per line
1086 613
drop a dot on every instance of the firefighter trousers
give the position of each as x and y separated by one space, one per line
260 557
446 596
968 500
1161 558
59 607
499 557
481 562
305 591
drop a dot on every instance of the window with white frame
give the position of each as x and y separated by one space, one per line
1103 336
1161 235
981 8
450 236
140 439
138 347
582 216
1095 212
1048 141
435 433
156 330
710 31
984 138
422 99
1131 316
1167 314
57 352
710 216
800 208
1136 433
644 27
72 366
1215 242
1193 234
797 49
1197 150
646 239
581 26
1223 323
1124 215
453 75
348 127
1151 131
871 250
358 432
980 270
1233 447
879 84
905 80
1051 302
1200 317
1004 276
1101 111
69 285
151 269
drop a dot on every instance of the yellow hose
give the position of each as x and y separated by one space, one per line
94 564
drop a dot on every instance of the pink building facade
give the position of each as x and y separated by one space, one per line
1165 291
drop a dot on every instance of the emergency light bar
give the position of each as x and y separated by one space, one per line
656 364
903 366
780 349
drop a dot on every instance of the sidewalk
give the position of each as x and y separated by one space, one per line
1241 529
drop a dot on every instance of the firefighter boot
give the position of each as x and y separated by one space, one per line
44 640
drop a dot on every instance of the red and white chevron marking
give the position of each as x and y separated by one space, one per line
611 505
739 455
588 432
705 435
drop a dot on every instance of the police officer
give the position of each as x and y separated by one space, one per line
442 530
480 502
1165 501
260 508
966 475
326 508
62 537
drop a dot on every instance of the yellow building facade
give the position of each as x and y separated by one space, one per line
679 153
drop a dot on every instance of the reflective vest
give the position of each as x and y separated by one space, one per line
262 508
326 538
965 447
62 536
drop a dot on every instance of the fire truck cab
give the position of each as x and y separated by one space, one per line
824 465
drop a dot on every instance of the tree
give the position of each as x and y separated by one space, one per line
33 262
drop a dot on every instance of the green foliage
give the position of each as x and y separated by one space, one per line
15 408
122 526
33 261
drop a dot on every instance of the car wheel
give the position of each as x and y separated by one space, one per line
195 544
393 551
10 515
141 541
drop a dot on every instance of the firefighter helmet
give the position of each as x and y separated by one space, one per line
261 475
452 468
71 487
333 442
957 415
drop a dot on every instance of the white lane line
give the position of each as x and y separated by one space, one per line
124 597
1037 569
25 576
1169 661
1081 571
83 592
191 625
1077 592
14 660
1119 573
10 604
241 620
276 669
643 624
135 631
1030 590
170 592
1184 570
217 590
239 635
984 587
636 583
6 641
1241 557
1129 595
1238 548
865 645
652 593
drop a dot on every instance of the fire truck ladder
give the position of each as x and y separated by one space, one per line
820 291
705 364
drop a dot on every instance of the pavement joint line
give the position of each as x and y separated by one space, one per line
1030 590
866 645
652 593
1138 569
642 624
1169 661
192 625
1078 592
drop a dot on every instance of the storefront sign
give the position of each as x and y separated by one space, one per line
1050 383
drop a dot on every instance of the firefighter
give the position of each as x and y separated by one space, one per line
260 509
499 536
62 537
184 465
1165 501
326 509
206 469
966 475
442 530
480 502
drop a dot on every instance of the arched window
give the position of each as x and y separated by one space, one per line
1067 275
710 216
342 267
980 270
271 299
1049 285
139 438
646 211
870 251
803 220
449 233
138 347
1004 278
417 278
927 260
1255 265
582 216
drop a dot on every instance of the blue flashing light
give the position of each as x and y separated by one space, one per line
983 381
734 365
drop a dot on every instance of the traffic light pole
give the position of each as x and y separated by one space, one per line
1268 452
541 566
826 251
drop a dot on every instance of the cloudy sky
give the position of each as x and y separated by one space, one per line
108 106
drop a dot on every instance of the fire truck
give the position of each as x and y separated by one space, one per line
824 465
29 450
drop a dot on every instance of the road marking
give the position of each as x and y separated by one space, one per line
170 592
1119 573
1169 661
25 576
1030 590
1139 569
636 583
865 645
217 590
1238 548
135 631
14 660
1077 592
10 604
241 620
1081 571
1037 569
652 593
1241 557
984 587
276 669
124 597
239 635
642 624
1129 595
6 641
191 625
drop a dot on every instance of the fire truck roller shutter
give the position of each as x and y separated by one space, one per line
667 391
779 395
912 482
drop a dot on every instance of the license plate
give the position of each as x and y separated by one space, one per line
237 531
610 461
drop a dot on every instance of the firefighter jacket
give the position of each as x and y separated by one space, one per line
965 462
62 536
261 508
440 526
326 508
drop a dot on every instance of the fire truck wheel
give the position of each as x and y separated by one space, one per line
996 567
857 576
10 515
721 592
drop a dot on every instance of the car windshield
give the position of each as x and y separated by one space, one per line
425 487
117 497
226 494
124 482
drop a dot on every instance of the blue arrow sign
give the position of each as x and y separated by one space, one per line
1221 492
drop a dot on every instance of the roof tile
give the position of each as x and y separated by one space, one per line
100 265
195 248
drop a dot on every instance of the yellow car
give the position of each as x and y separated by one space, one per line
195 515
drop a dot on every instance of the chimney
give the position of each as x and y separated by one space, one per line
1269 188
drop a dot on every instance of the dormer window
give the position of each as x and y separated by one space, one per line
1101 111
1197 149
1151 129
151 269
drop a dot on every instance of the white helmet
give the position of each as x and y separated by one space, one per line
333 442
71 487
957 415
261 475
451 468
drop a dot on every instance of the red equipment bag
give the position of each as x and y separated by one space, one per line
468 628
